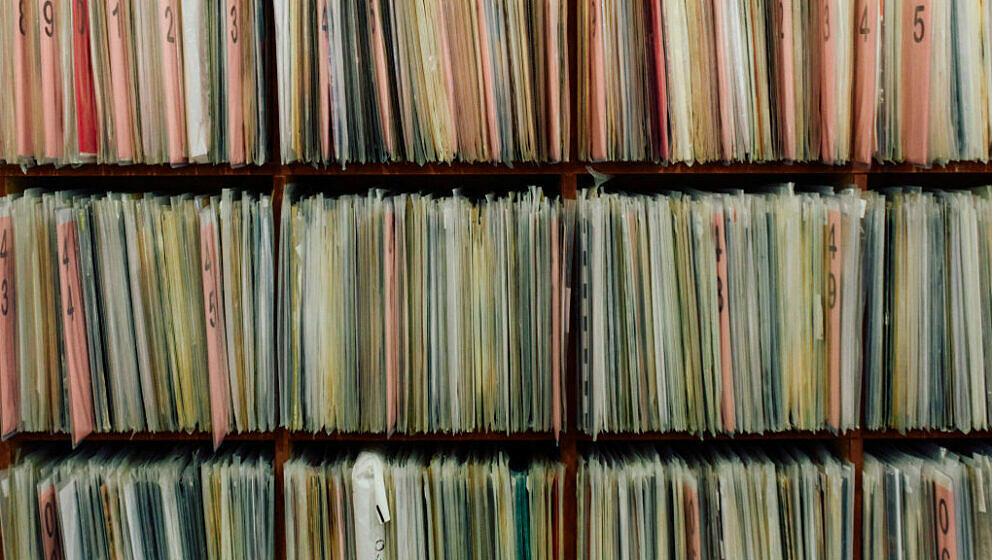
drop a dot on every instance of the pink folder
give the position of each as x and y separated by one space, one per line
724 88
175 118
693 536
213 312
74 328
726 361
51 81
786 77
865 76
487 81
660 80
86 129
828 78
915 86
552 23
9 381
119 81
449 79
48 511
23 35
235 114
597 117
947 543
835 253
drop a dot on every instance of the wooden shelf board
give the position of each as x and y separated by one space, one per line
706 437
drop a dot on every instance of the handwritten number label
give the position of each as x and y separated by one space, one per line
719 280
170 35
831 279
50 526
918 27
826 22
234 24
48 12
81 6
781 20
863 27
116 12
65 262
211 302
20 20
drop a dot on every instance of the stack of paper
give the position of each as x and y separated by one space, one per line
927 502
100 503
935 69
929 323
133 313
737 80
411 506
720 312
131 81
413 313
390 80
724 503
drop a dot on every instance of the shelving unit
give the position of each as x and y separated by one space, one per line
568 177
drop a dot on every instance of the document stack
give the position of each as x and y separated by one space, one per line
824 80
927 502
927 361
934 74
725 503
130 81
389 80
416 313
720 312
412 506
99 503
136 313
687 81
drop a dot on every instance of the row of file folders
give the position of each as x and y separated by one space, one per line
927 502
189 81
381 312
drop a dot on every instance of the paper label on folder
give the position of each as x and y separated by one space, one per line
51 535
865 78
220 404
168 24
235 114
198 119
9 384
835 257
83 73
23 35
726 375
51 79
915 87
119 81
74 321
947 544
